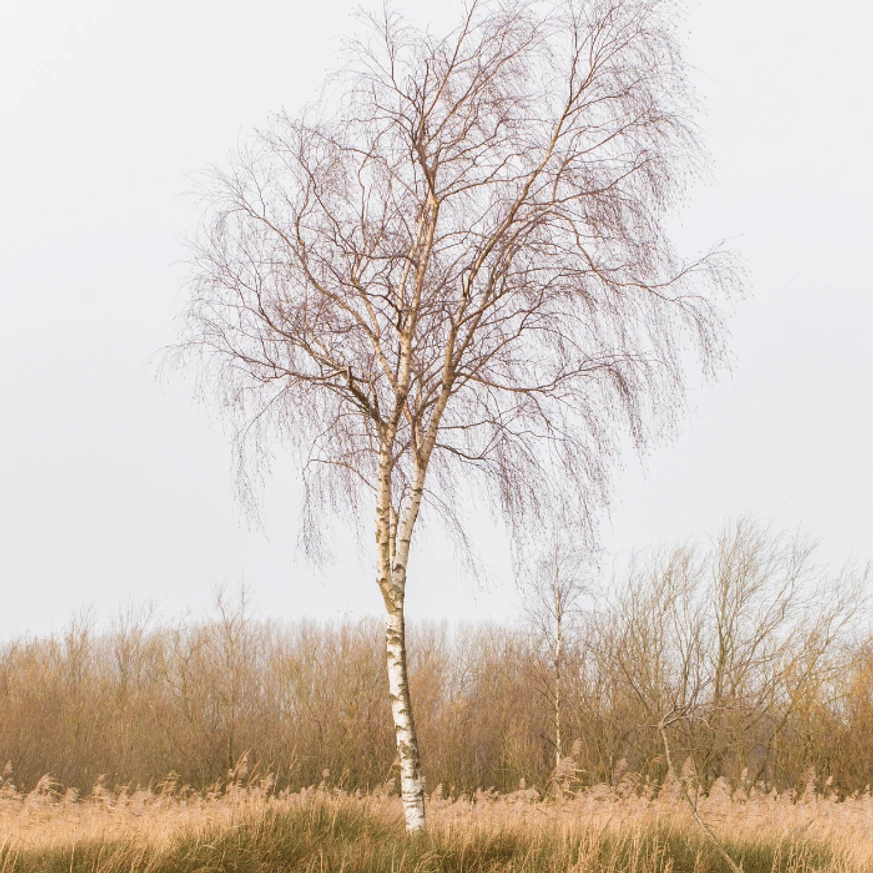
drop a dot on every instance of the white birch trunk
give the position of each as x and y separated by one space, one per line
411 787
558 749
393 550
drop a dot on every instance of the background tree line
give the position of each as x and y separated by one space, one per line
757 660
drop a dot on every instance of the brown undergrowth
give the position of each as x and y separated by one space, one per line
169 827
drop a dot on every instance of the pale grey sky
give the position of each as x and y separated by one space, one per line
112 489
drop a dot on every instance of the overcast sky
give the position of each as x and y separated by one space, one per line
112 488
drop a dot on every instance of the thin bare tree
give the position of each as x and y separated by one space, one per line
452 278
553 608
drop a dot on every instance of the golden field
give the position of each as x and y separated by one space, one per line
169 827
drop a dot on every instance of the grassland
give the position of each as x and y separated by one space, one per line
251 829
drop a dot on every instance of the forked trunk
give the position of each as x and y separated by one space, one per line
411 788
393 550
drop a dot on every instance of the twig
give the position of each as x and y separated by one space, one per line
707 830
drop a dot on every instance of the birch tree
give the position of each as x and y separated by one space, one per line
452 276
553 604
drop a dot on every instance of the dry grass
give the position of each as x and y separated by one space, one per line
171 828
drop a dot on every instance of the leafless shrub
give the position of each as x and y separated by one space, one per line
729 647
